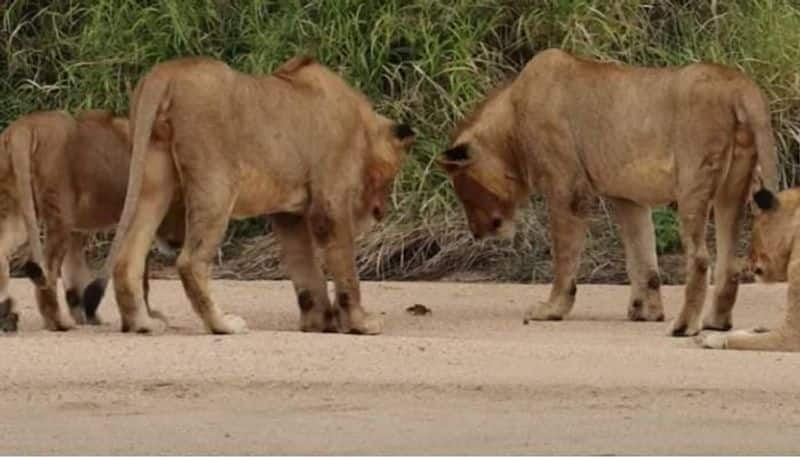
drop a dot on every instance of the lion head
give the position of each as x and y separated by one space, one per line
482 164
387 143
774 226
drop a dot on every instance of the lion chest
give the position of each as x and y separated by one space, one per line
262 192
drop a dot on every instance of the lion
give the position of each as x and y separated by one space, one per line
299 145
72 174
572 129
774 256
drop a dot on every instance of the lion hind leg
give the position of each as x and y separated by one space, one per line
693 209
55 250
12 235
207 219
300 261
729 207
130 267
76 276
638 235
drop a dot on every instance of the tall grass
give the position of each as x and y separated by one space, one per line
425 61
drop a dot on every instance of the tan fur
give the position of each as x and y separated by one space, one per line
300 145
572 129
71 173
774 256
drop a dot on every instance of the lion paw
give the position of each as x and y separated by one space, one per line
718 323
712 340
371 324
156 314
638 311
543 312
78 315
148 326
318 322
678 328
59 324
231 324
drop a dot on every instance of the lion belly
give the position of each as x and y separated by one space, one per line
262 193
647 181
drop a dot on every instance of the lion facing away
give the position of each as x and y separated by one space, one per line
572 129
70 173
299 145
774 256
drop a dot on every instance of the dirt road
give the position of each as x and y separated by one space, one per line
470 378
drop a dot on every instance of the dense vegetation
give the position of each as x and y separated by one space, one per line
426 61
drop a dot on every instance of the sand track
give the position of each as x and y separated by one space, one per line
470 378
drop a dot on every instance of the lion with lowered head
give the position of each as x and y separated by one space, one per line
71 174
774 256
572 129
299 145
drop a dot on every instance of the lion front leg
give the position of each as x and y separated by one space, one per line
297 255
76 276
47 293
638 235
568 227
333 232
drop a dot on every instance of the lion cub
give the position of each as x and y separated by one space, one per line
72 174
775 256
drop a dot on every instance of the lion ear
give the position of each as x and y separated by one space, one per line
404 134
456 157
765 200
403 131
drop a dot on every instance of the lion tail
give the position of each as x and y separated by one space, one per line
20 142
752 110
151 96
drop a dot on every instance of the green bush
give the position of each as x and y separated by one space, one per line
425 61
668 237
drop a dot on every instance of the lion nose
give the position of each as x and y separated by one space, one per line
378 213
758 271
497 223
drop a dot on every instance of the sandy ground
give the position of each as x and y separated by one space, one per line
470 378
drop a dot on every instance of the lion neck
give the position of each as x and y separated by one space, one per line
495 124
